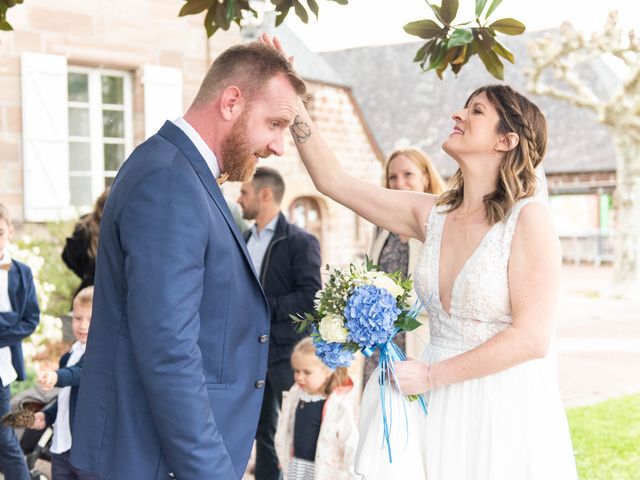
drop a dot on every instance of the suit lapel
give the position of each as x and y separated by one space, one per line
176 136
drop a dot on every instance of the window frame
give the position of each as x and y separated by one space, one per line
96 138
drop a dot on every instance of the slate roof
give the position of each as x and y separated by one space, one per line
310 65
404 106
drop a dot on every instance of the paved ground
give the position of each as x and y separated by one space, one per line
598 338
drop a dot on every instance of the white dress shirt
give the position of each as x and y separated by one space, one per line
61 428
200 144
259 242
7 372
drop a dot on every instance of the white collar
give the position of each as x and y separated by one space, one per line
306 397
6 258
78 347
200 144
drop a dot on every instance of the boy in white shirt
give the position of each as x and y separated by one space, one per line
60 414
19 317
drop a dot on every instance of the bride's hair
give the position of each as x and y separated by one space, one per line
339 377
516 176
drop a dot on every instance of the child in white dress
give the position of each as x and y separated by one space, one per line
317 433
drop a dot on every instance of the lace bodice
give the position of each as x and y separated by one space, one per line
480 303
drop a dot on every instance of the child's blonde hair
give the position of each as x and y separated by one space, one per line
84 296
338 377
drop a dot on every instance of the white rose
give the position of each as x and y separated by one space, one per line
383 281
331 329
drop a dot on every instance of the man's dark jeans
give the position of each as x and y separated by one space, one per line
279 379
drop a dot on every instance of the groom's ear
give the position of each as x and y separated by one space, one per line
507 142
231 103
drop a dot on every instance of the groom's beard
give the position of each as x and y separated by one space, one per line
237 159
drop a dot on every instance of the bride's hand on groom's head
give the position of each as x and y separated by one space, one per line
413 376
274 43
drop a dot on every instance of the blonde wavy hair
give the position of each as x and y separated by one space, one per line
338 378
516 176
435 185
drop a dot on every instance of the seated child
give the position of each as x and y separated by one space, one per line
317 433
61 412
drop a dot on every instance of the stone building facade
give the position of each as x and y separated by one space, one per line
83 82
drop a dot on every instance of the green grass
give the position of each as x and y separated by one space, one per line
606 439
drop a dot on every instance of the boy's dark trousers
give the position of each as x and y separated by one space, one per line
12 459
279 379
61 469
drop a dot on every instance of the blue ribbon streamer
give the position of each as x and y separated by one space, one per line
390 353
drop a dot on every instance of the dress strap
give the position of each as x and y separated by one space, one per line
512 220
434 214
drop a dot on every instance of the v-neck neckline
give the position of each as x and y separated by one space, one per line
466 263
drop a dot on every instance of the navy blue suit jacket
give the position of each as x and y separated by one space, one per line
176 359
23 320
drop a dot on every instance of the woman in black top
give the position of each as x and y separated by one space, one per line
79 253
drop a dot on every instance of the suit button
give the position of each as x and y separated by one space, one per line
263 338
260 384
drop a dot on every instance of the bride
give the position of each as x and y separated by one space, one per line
489 277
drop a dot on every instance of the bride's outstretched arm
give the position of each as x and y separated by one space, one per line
534 284
401 212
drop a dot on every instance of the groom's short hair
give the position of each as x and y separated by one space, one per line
247 67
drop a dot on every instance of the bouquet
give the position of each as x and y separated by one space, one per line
361 309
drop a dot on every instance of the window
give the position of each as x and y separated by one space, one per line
305 213
100 130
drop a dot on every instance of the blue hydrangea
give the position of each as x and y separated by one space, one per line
370 314
332 354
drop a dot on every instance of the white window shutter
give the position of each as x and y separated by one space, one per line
45 137
162 96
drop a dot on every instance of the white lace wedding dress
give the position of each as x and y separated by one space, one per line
506 426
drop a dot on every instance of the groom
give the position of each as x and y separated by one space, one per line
176 359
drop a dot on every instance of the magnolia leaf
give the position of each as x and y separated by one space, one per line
448 11
456 67
220 17
438 55
503 52
193 7
437 12
282 14
341 2
462 56
230 12
209 24
480 7
313 6
508 26
5 26
424 50
492 63
424 29
301 12
460 36
484 38
492 7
